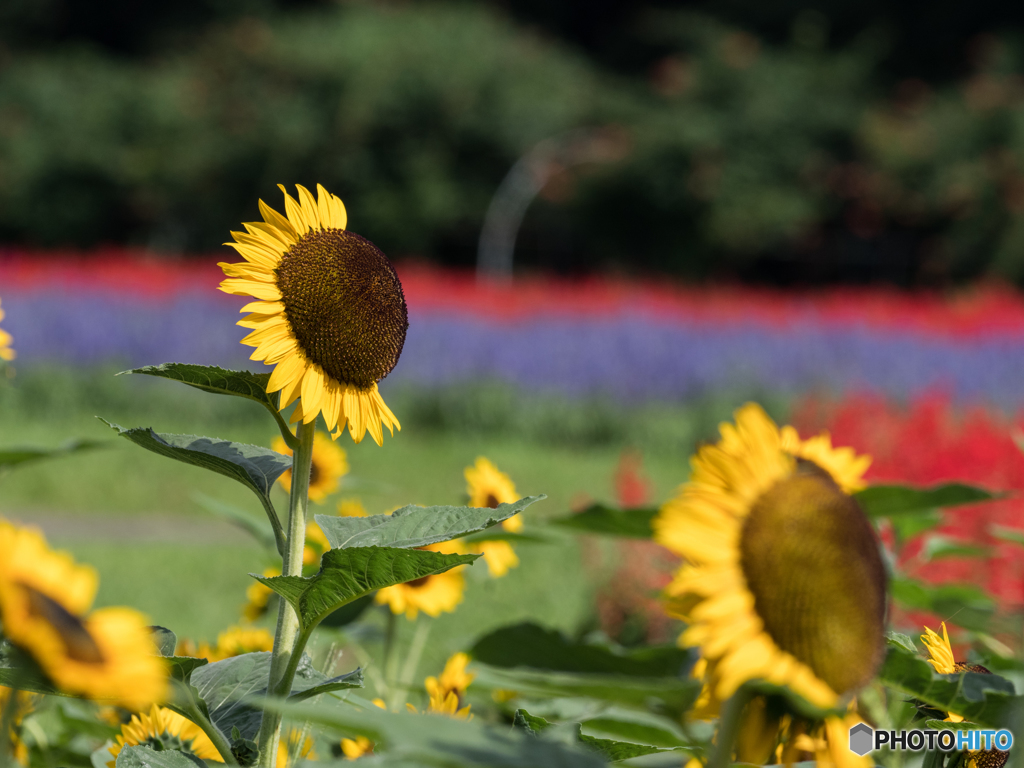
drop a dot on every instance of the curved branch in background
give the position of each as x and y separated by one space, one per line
525 181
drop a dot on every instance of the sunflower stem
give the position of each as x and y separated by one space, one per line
6 721
390 661
287 620
216 736
729 729
286 432
412 661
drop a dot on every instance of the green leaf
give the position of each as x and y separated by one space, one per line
408 739
637 727
166 641
907 526
231 686
529 723
614 751
985 699
600 518
254 526
210 378
970 604
11 457
353 679
611 749
673 695
18 670
348 574
413 526
255 467
509 536
892 500
144 757
901 641
937 547
530 645
184 695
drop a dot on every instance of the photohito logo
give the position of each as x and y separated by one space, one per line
865 739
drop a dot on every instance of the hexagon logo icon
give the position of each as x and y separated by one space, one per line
862 739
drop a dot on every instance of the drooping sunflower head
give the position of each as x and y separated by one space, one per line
161 730
329 465
434 595
329 314
6 353
783 579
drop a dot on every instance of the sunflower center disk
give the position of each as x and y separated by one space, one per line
812 564
345 305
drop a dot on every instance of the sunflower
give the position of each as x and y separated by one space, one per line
783 580
329 466
940 654
189 647
829 742
6 353
487 486
289 747
238 640
357 747
329 313
447 690
257 597
433 595
162 730
351 508
108 654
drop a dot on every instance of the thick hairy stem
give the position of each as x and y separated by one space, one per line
287 620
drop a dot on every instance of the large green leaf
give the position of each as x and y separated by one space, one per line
970 604
348 574
408 739
210 378
674 695
600 518
937 547
612 750
980 698
144 757
229 688
530 645
11 457
892 500
18 670
255 467
413 526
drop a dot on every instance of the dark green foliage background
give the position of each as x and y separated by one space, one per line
795 155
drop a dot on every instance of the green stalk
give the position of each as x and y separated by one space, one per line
6 720
219 740
412 663
729 729
287 619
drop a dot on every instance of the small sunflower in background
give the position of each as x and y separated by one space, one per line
357 747
448 690
941 657
257 597
289 748
6 353
351 508
329 465
108 654
163 730
433 595
487 486
783 580
329 315
236 641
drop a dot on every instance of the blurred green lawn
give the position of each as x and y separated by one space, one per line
196 588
